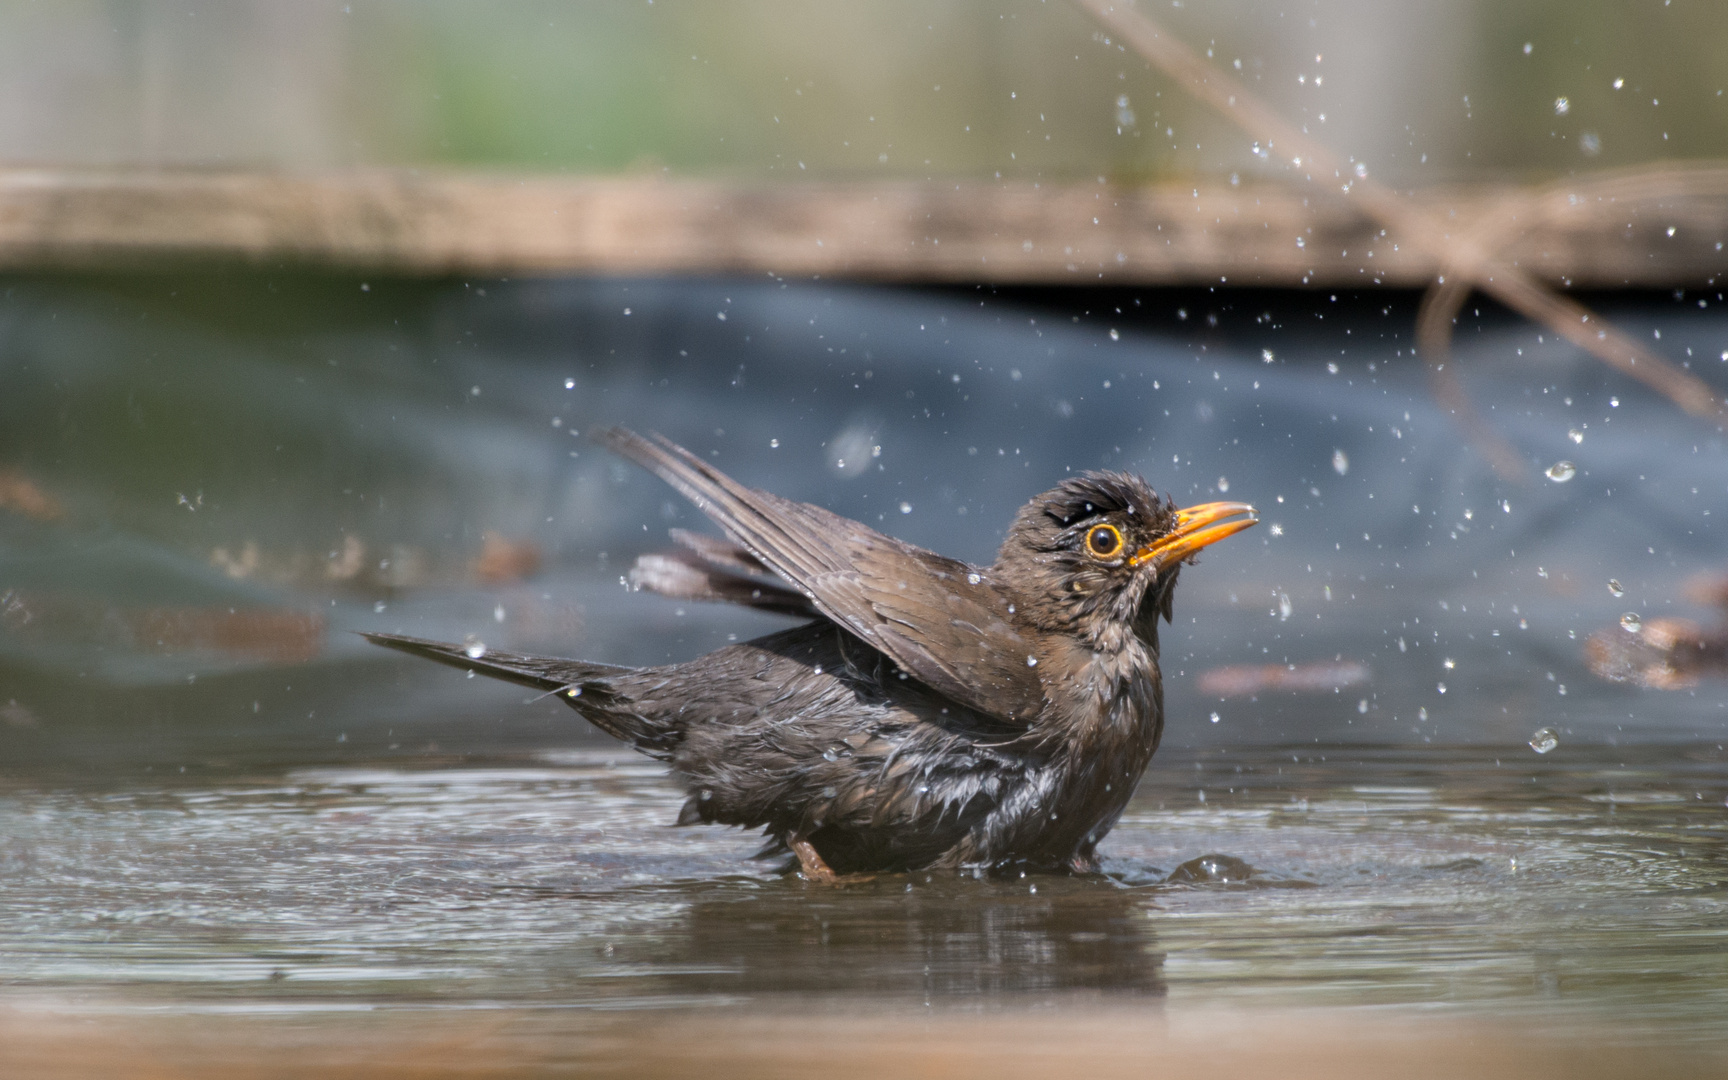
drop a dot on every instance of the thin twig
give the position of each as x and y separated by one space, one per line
1498 230
1459 256
1440 306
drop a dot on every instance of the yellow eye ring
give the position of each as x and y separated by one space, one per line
1104 541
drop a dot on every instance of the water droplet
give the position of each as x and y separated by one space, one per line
1361 167
569 384
1362 705
973 579
1616 588
1575 435
475 650
1449 664
1340 462
1285 608
1613 403
378 607
1115 334
1562 106
1562 471
1215 718
1031 661
850 447
498 613
774 444
1223 484
1631 623
1266 355
1527 48
905 508
1440 687
1544 740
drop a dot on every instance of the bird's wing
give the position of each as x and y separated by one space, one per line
935 617
719 552
683 575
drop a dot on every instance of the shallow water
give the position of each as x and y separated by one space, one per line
1577 890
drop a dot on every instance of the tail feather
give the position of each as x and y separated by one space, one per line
540 672
584 686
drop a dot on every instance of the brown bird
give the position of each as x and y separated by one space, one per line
930 713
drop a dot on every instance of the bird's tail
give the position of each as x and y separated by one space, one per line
583 685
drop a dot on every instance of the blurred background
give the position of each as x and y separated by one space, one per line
306 311
1426 91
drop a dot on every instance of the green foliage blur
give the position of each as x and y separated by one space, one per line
1424 91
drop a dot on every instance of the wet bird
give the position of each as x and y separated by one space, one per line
929 713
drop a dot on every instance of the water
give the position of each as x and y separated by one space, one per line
217 802
1587 888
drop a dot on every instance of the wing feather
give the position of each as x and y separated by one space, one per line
940 619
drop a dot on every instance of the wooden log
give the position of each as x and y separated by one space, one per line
1657 228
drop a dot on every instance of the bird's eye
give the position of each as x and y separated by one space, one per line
1103 541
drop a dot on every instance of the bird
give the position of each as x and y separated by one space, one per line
927 713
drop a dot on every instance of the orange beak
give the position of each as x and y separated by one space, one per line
1197 527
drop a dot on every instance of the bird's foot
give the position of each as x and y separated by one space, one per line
810 862
815 868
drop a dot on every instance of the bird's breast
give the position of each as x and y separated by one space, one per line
1107 702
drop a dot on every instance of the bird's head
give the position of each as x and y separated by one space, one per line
1098 555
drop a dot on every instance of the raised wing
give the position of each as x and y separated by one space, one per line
938 618
684 575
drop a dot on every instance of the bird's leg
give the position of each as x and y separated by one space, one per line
811 863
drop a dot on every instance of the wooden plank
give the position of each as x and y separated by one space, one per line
1595 232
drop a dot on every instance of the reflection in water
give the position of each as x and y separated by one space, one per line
936 937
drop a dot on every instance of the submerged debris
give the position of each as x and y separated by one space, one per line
1239 680
503 560
1665 654
19 494
275 635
